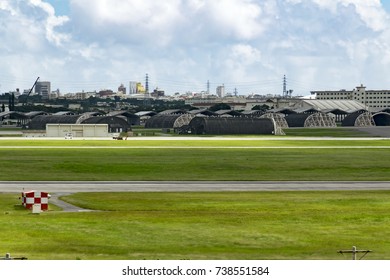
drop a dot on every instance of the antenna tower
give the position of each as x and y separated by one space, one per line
147 84
146 95
208 87
285 87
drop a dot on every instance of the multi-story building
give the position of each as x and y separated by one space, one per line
122 89
220 91
132 88
81 95
374 100
44 89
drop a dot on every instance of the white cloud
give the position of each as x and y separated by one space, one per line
184 43
51 22
128 21
241 19
245 54
163 21
370 11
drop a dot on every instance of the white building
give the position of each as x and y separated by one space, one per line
132 88
373 100
220 91
77 130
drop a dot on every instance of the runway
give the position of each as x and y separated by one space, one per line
187 186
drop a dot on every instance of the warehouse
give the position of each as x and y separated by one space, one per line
70 131
39 122
115 124
219 126
175 122
360 118
77 125
278 118
311 120
132 119
13 118
382 119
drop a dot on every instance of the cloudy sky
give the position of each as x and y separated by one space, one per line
244 44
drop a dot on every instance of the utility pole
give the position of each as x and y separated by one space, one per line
354 252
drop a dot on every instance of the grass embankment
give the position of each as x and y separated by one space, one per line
247 159
266 225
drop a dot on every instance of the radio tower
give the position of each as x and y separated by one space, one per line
147 84
284 87
146 95
208 87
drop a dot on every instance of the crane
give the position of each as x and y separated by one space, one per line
28 94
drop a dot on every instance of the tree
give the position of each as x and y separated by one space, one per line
220 106
261 107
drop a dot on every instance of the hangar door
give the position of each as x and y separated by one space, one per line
77 130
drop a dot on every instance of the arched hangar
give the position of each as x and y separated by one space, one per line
361 118
310 120
382 119
221 126
175 122
76 125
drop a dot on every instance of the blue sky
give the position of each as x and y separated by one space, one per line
244 44
386 4
62 7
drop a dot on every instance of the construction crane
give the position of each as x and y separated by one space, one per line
28 94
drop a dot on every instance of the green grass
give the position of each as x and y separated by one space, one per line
251 225
253 160
257 142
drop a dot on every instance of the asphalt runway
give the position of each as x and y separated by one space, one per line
58 189
187 186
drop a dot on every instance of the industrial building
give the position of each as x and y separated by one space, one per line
311 120
179 122
43 88
86 125
70 131
221 126
371 99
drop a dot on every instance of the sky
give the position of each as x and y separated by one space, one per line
247 45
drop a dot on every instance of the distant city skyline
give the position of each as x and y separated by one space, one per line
248 45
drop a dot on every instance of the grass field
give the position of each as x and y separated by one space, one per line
250 225
206 159
260 225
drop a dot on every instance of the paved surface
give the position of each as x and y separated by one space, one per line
57 189
66 207
377 131
186 186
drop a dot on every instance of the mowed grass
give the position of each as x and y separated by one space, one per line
250 160
199 142
250 225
